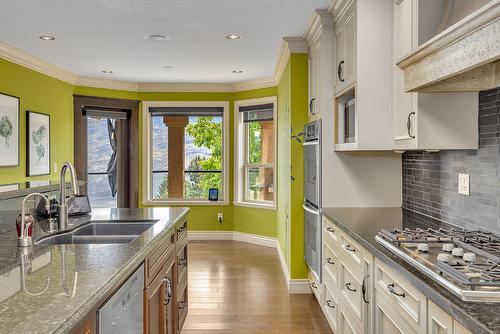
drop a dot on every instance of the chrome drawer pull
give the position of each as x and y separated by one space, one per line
329 229
329 260
349 248
348 287
392 290
329 304
313 285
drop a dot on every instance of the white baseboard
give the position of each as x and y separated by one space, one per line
295 286
299 286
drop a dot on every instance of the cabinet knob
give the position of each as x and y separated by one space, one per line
348 287
329 260
330 304
349 248
329 229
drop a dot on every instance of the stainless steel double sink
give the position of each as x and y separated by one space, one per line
99 232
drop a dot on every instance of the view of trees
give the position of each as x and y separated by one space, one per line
207 133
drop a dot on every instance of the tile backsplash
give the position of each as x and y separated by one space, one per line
430 180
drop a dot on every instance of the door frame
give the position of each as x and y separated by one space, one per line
131 151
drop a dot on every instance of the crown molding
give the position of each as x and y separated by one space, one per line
323 19
25 59
288 46
107 84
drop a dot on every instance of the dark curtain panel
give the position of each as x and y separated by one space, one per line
112 164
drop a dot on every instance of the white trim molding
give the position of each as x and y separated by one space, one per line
148 154
295 286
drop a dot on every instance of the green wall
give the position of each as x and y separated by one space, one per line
40 93
293 96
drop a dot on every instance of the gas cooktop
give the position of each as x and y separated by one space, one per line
465 262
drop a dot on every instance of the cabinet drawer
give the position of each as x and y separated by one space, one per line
387 319
182 310
331 234
181 234
315 286
350 291
330 307
182 264
438 321
347 324
331 265
155 262
352 252
404 297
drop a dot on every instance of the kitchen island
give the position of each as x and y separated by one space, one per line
57 288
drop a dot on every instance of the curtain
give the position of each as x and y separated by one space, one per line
112 164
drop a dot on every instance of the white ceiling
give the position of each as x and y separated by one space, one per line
96 35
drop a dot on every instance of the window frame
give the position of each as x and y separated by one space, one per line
241 155
147 163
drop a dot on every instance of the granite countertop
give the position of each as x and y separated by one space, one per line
50 288
363 224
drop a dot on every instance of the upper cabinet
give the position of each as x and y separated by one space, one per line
345 50
426 121
363 75
320 41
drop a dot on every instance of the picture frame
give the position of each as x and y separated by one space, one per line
9 130
9 187
37 143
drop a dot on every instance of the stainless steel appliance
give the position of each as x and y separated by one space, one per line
465 262
123 312
312 196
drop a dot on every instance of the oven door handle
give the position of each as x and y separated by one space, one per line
310 143
308 209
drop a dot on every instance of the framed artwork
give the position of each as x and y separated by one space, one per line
9 131
38 143
9 187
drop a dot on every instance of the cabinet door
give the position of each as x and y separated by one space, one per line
314 77
438 321
155 308
404 103
338 50
170 314
349 66
459 329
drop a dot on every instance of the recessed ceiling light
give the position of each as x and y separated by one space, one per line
168 66
237 71
47 38
233 36
107 72
156 38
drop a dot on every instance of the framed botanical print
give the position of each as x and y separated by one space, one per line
38 141
9 130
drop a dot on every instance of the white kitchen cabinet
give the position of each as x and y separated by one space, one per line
363 76
320 42
388 320
426 121
345 50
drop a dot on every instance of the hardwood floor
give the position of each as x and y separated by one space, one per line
235 287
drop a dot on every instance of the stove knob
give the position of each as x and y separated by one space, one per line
423 247
448 247
443 257
469 257
458 252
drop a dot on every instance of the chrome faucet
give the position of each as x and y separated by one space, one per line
24 240
63 204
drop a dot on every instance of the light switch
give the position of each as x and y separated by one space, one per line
55 167
463 184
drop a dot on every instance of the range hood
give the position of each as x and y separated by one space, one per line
464 56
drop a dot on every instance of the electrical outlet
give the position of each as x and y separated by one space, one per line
220 217
55 167
463 184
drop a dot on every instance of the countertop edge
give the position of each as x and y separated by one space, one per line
118 278
429 292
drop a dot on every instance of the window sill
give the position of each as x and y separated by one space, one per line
184 203
256 205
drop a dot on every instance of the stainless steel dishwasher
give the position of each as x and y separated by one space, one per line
123 312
